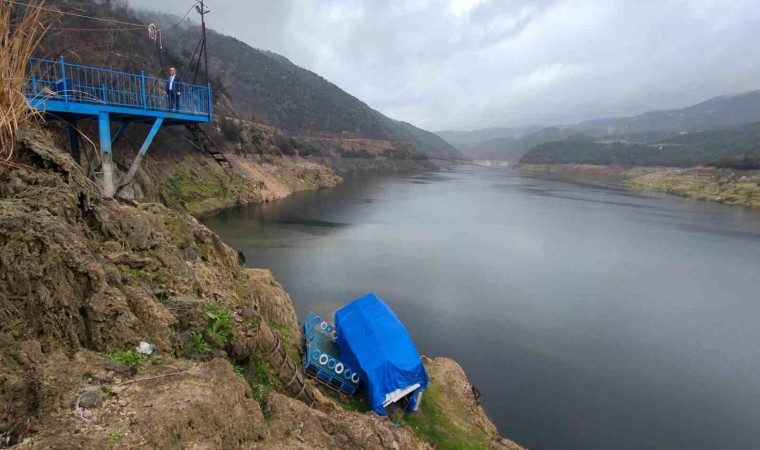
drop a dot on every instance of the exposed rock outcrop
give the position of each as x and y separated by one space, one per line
84 279
79 273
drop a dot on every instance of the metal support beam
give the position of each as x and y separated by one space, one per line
119 133
74 140
104 128
140 154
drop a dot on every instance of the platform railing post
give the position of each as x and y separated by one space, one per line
103 92
142 87
65 82
34 85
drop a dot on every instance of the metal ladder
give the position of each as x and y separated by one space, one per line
203 141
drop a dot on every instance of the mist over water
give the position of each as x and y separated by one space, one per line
588 317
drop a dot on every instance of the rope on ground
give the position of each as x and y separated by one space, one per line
81 412
123 383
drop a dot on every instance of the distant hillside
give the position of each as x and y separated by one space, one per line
511 149
717 112
648 128
270 89
468 140
737 146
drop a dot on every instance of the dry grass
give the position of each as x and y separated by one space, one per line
21 29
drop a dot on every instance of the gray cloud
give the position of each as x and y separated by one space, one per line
460 64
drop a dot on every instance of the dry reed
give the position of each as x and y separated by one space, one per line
21 30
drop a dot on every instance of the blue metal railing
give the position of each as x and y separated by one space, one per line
73 83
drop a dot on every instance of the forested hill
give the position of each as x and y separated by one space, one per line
736 147
270 89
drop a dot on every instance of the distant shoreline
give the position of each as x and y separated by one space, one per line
730 187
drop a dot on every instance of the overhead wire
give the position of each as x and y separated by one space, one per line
135 28
133 25
83 16
192 58
174 135
183 17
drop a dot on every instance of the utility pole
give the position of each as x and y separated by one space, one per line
203 11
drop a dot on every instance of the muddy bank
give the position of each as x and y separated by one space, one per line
83 280
731 187
741 188
345 166
182 177
194 183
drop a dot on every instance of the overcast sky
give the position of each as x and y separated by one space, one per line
465 64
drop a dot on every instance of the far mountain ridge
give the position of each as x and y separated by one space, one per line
466 141
511 149
717 112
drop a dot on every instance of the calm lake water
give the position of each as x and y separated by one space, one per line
588 317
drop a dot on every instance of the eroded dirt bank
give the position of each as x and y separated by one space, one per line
83 280
731 187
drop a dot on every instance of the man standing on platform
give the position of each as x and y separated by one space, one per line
172 90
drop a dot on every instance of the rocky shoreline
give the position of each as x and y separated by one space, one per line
190 181
731 187
84 279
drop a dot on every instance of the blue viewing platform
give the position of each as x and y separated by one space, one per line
63 88
72 92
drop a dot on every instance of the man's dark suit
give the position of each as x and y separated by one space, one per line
172 92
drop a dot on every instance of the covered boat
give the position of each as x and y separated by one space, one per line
374 342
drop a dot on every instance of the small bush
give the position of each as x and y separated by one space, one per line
307 149
260 392
403 151
199 344
231 130
286 145
220 323
134 273
737 163
131 358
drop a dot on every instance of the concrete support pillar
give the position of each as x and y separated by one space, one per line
104 127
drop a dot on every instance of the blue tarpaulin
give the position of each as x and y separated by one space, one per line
376 344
